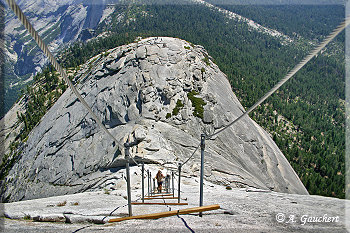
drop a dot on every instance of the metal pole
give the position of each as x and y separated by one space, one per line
202 173
148 183
178 184
172 177
143 182
164 187
127 147
168 184
154 185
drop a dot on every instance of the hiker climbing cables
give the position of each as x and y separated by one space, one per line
159 178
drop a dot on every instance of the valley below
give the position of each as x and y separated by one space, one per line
159 77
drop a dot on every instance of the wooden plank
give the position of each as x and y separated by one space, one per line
150 198
168 213
157 203
160 195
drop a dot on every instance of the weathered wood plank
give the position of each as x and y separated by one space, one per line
150 198
159 195
168 213
157 203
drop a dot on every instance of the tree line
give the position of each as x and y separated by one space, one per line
305 118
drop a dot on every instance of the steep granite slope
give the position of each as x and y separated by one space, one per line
161 93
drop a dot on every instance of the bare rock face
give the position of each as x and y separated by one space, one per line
161 93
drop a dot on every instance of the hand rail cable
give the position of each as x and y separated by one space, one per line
15 8
132 158
18 12
191 155
291 73
118 207
183 220
110 214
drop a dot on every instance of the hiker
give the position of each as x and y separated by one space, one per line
159 178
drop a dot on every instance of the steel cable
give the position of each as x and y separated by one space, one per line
54 62
183 220
132 158
15 8
289 75
18 12
191 155
313 53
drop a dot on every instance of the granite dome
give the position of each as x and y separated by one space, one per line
163 93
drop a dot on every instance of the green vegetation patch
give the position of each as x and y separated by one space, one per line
206 60
197 103
254 62
178 107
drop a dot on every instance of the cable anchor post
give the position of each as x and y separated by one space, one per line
202 172
179 184
172 181
168 183
148 183
143 182
127 158
154 185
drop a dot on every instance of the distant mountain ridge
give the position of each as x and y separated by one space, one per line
60 23
297 123
57 22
